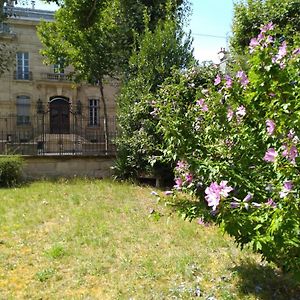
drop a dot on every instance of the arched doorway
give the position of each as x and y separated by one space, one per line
59 115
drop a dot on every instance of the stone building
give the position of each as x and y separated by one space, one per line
41 110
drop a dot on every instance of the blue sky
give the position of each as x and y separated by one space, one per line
210 25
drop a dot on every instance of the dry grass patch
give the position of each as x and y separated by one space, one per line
89 239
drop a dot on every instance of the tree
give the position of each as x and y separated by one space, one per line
159 53
87 35
7 51
95 37
250 15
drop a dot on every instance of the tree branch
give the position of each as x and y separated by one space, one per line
92 10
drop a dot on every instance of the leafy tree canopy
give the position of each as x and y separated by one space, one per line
249 15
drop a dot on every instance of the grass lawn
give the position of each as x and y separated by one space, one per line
89 239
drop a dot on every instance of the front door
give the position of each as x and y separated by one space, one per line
59 116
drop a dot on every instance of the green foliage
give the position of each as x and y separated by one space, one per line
237 144
10 170
45 274
56 251
157 54
249 15
87 36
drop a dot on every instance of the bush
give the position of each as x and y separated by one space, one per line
10 170
236 145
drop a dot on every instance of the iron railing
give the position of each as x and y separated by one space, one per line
35 138
55 76
23 75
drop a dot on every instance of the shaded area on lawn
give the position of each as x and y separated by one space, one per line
266 282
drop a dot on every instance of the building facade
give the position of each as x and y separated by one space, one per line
42 110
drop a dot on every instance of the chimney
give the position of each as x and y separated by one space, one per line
33 4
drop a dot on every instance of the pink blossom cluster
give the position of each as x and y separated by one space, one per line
240 113
215 192
262 39
202 105
286 189
242 77
184 177
289 152
228 81
282 51
270 127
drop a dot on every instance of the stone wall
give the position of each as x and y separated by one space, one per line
37 167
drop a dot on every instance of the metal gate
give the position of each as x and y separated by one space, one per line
57 129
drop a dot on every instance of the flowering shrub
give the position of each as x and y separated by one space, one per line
237 147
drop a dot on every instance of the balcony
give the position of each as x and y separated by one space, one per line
27 76
55 76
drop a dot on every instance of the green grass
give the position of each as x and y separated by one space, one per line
89 239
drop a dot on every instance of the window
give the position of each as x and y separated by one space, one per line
93 112
4 28
22 66
58 68
23 110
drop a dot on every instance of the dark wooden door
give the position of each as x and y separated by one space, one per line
59 116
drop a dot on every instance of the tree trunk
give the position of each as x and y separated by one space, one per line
105 125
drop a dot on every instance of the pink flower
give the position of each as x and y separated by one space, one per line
168 193
202 105
217 80
181 165
256 205
270 155
229 82
224 189
178 183
241 111
230 114
291 134
215 191
201 221
287 187
154 193
291 153
234 204
296 51
260 37
269 40
282 65
271 203
243 79
270 126
267 27
282 50
253 44
281 54
213 195
189 178
248 197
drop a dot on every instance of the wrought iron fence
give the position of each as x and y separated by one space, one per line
35 137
